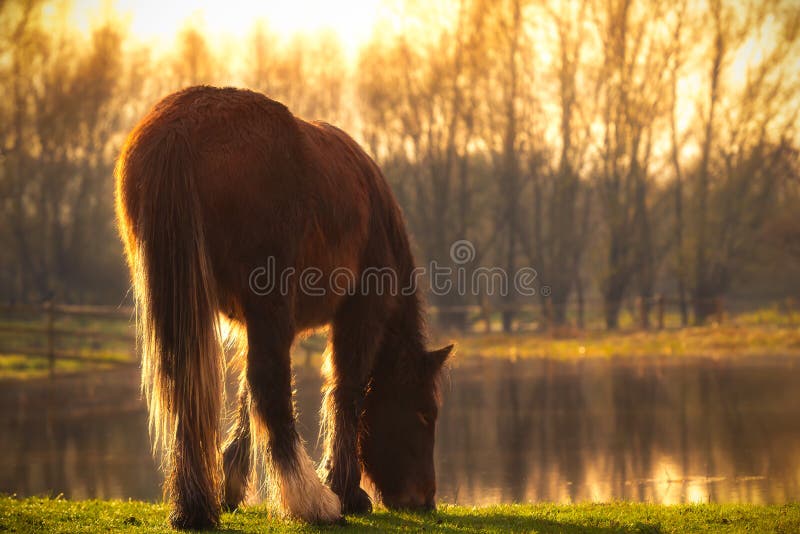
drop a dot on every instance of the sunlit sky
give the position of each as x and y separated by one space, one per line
158 22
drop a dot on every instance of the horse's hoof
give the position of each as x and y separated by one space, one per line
181 520
357 502
236 467
233 494
312 502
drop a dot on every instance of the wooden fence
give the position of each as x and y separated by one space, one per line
105 334
42 324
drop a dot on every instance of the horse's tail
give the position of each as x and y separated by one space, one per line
177 314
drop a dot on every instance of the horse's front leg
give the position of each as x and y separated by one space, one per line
357 330
302 494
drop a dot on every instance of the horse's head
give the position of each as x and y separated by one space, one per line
398 430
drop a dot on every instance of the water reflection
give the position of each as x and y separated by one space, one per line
647 430
533 430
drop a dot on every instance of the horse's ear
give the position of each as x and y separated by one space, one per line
437 357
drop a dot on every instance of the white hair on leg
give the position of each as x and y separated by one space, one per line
302 494
293 484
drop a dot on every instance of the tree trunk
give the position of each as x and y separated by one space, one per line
581 304
705 299
559 301
612 301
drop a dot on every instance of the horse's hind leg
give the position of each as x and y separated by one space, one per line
236 458
357 331
302 494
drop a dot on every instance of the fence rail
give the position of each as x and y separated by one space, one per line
53 336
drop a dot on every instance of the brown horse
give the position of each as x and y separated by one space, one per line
212 186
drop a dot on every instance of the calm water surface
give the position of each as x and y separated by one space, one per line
534 430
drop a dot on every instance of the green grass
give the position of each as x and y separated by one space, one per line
59 515
23 366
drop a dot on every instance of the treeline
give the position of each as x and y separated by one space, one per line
621 148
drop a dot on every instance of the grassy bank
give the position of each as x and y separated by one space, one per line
723 341
750 336
37 515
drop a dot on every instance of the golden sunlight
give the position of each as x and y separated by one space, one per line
158 22
253 222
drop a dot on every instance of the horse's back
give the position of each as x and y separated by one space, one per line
232 135
270 185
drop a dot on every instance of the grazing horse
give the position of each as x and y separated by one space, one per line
213 186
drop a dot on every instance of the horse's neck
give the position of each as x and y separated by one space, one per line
405 336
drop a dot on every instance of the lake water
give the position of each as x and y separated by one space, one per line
650 429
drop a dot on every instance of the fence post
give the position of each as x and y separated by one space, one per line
660 304
51 345
548 313
641 307
486 313
719 308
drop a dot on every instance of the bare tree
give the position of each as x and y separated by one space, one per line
510 132
747 135
419 108
676 143
636 53
308 74
69 105
194 62
561 204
